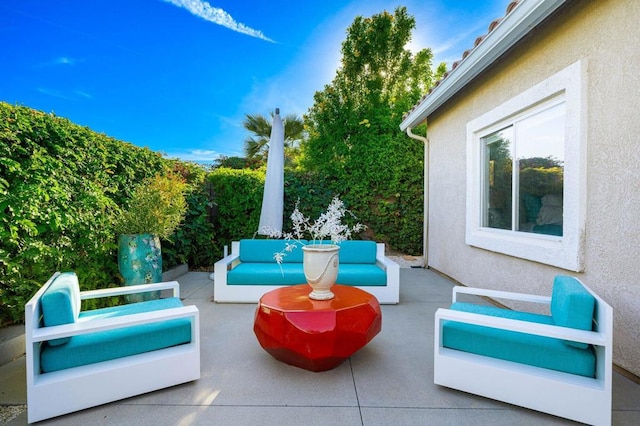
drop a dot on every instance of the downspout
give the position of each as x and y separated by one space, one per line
425 232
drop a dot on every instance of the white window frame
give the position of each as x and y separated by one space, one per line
566 251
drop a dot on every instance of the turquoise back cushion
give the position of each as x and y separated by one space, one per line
60 303
357 252
572 306
262 251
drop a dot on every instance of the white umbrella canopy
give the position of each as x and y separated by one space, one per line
273 197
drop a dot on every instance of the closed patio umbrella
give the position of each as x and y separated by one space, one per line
273 197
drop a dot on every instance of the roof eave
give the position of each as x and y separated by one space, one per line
518 23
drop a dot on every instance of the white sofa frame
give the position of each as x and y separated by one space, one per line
65 391
575 397
225 293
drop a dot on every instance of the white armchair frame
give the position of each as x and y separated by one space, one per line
61 392
225 293
566 395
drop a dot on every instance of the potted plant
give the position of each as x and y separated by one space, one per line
154 211
320 260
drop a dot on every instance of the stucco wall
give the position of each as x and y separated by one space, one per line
605 34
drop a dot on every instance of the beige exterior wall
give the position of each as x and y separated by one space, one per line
605 33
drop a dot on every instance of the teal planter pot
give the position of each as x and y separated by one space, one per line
140 262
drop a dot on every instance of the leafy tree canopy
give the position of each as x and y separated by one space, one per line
353 127
378 81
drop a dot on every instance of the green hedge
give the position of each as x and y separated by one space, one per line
237 200
60 187
193 241
392 210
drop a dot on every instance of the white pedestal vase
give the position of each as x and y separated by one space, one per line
320 263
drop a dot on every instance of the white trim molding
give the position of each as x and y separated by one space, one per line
567 251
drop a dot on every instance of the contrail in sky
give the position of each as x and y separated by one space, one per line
218 16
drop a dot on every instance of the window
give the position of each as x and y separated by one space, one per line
526 183
523 172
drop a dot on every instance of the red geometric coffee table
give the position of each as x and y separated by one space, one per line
316 335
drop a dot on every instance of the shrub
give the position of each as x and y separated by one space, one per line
60 188
237 198
193 240
157 206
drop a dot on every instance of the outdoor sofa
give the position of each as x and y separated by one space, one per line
79 359
251 270
559 364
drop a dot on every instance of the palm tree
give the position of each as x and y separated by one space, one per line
257 145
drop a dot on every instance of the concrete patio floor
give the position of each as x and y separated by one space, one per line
388 382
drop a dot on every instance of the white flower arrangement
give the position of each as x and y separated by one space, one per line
328 225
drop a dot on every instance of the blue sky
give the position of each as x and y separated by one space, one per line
179 76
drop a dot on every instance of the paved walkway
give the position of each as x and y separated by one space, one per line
388 382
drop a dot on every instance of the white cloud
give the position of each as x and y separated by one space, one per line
218 16
195 155
73 95
64 60
227 121
60 60
54 93
83 94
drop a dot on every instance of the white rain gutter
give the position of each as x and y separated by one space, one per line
425 220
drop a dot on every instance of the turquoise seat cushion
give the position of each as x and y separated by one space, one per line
113 344
538 351
251 273
293 273
361 275
262 251
572 306
60 303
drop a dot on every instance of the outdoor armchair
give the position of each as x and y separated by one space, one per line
559 364
79 359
